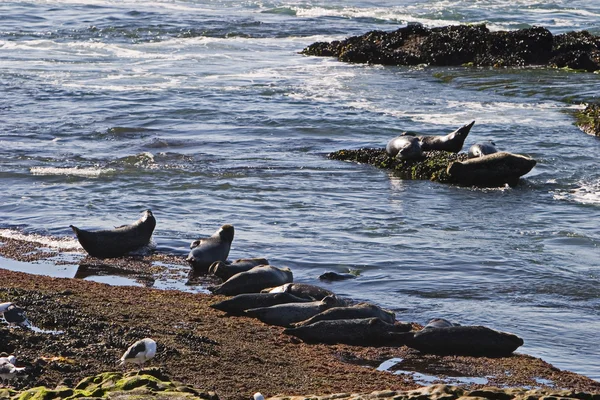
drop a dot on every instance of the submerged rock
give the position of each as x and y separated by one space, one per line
588 120
466 44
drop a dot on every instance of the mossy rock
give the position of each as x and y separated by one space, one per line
588 120
433 166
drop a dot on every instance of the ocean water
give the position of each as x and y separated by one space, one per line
206 113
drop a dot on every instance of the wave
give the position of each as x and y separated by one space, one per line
61 243
586 193
91 172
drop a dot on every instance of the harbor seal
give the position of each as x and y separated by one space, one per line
492 170
439 323
359 332
302 290
465 340
482 149
360 310
404 147
254 280
119 241
226 270
336 276
211 249
289 313
237 305
452 142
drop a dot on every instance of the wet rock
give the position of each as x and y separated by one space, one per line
588 120
466 44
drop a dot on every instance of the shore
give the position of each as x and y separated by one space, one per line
85 326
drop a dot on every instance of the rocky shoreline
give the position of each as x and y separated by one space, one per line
588 119
83 327
473 45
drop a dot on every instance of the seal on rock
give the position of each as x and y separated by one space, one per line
360 310
492 170
287 314
237 305
211 249
359 332
254 280
465 340
302 290
439 323
404 147
119 241
482 149
452 142
226 270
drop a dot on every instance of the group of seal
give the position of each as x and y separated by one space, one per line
486 166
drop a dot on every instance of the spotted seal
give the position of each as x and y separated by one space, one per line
465 340
359 332
254 280
452 142
360 310
482 149
404 147
491 170
289 313
211 249
236 305
119 241
226 270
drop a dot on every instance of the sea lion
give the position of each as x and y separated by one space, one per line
139 352
242 302
211 249
482 149
452 142
254 280
226 270
439 323
336 276
302 290
119 241
287 314
465 340
360 332
404 147
491 170
360 310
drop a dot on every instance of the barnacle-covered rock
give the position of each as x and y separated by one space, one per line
588 120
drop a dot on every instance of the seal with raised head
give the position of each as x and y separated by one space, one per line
360 310
482 149
404 147
289 313
452 142
254 280
237 305
492 170
211 249
226 270
359 332
119 241
465 341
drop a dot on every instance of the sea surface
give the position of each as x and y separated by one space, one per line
206 113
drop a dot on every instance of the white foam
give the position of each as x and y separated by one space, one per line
93 172
61 243
586 193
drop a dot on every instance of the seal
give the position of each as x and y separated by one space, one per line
302 290
360 310
482 149
225 271
492 170
287 314
452 142
465 341
254 280
358 332
439 323
139 352
404 147
119 241
211 249
336 276
237 305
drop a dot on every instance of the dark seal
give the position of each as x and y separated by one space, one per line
482 149
211 249
452 142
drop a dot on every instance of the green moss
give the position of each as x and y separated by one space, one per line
588 120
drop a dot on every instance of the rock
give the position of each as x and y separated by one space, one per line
588 120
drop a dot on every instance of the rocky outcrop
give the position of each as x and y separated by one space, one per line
588 120
466 45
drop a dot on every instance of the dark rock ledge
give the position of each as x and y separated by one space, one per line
466 45
588 120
